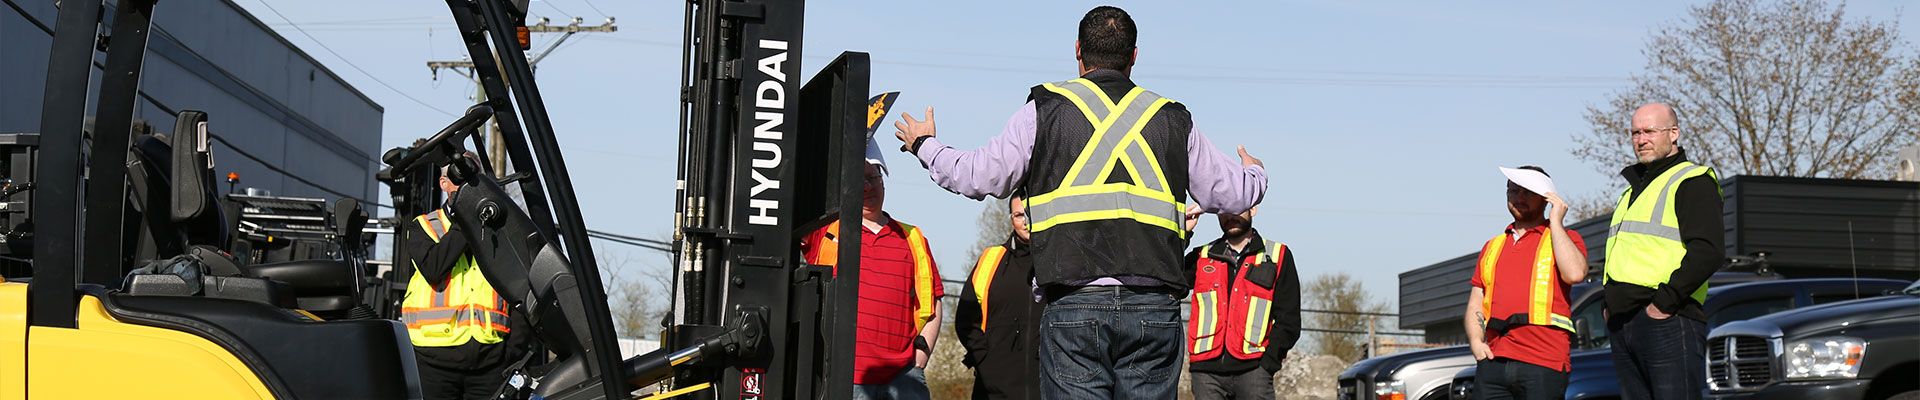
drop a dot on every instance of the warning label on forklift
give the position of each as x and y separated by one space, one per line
750 383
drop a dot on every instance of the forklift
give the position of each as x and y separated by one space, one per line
763 158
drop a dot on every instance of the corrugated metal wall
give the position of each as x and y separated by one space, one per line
1803 222
261 93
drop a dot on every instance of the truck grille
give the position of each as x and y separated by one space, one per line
1350 389
1740 363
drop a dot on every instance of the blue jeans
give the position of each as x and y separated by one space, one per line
1111 342
909 385
1660 359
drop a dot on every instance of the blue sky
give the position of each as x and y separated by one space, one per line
1380 122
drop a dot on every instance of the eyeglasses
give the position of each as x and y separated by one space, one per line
1650 131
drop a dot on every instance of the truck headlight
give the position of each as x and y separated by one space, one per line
1823 358
1396 390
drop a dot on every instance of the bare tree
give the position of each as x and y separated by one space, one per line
1346 298
995 227
636 296
1787 88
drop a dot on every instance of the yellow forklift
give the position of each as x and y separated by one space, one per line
763 158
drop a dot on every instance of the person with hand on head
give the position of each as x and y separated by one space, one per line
1517 319
1107 166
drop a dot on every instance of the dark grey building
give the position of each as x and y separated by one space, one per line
1811 227
264 96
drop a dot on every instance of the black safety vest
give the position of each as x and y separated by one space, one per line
1107 181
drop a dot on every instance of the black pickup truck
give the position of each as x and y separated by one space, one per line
1859 349
1592 376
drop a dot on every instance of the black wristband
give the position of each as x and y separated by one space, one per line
915 147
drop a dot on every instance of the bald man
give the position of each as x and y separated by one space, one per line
1666 240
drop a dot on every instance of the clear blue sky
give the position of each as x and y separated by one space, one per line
1380 122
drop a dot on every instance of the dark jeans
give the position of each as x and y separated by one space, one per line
452 384
1659 359
909 385
1500 379
1111 342
1256 383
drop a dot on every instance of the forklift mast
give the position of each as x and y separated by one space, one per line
764 159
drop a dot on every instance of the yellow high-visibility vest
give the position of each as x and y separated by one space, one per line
1643 244
467 310
1085 194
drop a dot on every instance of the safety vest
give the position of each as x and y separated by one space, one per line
1231 314
983 278
1546 303
1643 243
1086 194
467 310
825 250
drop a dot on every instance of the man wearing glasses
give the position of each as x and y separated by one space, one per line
1665 241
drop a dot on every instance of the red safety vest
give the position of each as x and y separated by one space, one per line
1231 313
1538 300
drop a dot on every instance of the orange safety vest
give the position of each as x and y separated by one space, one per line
1241 330
1541 301
825 250
983 271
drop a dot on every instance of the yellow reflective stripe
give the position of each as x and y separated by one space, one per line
1541 299
923 277
1256 334
1203 336
983 278
1488 259
1068 89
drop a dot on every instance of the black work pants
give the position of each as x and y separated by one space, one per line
1501 379
456 384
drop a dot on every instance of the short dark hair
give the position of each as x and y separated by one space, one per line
1542 171
1107 37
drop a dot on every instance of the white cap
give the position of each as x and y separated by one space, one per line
1533 181
873 155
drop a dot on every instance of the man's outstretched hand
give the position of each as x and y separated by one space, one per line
1246 160
910 130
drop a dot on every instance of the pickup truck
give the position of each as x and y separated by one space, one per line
1592 376
1858 349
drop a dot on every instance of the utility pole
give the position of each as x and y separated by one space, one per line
496 151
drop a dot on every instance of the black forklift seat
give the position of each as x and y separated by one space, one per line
321 286
295 356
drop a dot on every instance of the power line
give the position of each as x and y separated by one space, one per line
596 9
350 63
549 4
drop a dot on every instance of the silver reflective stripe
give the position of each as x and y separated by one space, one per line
427 315
1116 136
1257 318
1656 230
1148 176
1088 97
1660 203
1108 201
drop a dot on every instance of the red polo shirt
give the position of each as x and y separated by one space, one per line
883 330
1544 346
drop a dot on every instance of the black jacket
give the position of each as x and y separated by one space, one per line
1003 349
434 262
1285 316
1697 207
